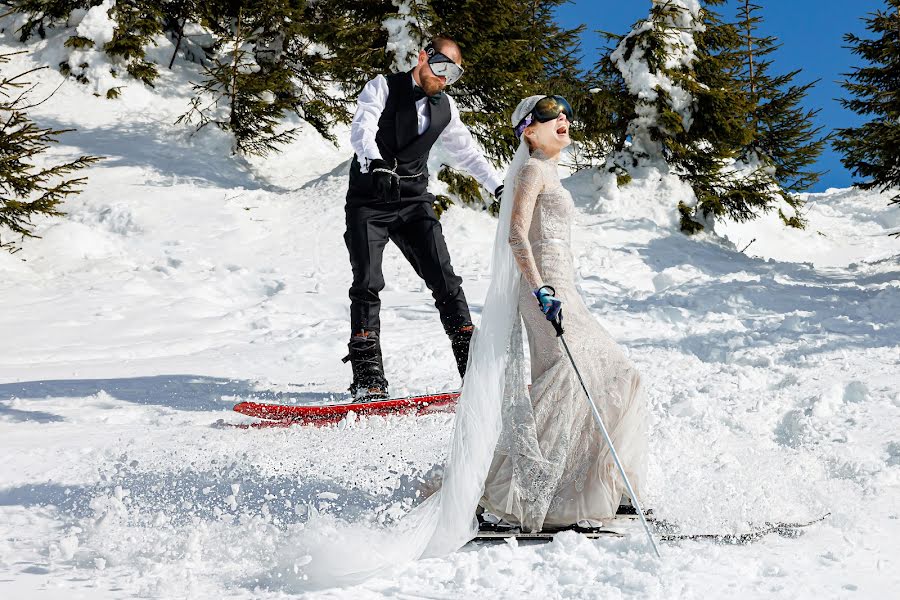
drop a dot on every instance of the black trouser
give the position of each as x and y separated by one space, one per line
415 229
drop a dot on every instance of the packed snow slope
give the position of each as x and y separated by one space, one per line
183 280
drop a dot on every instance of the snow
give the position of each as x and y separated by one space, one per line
676 31
184 280
403 36
97 25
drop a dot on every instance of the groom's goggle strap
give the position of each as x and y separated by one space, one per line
442 66
547 108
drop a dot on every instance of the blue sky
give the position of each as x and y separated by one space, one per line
811 33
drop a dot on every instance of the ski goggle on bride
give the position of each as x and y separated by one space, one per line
547 108
443 66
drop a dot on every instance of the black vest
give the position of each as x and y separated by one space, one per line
398 140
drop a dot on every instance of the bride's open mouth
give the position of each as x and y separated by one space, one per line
562 130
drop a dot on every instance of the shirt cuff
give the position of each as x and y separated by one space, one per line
494 181
364 162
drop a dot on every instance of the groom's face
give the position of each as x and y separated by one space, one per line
431 83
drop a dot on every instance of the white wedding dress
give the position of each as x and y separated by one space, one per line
551 466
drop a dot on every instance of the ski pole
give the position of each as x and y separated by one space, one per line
557 325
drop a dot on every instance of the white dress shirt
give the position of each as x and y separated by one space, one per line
456 139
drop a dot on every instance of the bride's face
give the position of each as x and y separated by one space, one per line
549 137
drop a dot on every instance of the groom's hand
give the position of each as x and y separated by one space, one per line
494 208
385 180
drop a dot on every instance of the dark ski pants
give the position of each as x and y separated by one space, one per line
415 229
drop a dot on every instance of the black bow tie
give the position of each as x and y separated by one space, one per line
419 93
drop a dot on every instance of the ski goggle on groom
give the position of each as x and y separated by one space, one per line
442 66
547 108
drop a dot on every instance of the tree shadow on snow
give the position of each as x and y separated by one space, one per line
180 392
159 147
21 416
816 310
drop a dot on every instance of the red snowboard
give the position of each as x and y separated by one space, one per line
280 415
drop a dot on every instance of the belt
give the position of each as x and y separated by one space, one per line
551 241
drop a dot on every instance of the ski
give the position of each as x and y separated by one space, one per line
283 415
539 536
780 528
663 529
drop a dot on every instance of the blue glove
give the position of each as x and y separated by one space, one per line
549 304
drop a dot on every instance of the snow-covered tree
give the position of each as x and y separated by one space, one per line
29 186
354 39
872 150
407 33
296 65
656 61
137 23
44 14
604 111
708 153
119 31
690 114
235 94
265 65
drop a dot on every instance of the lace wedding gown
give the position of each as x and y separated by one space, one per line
551 466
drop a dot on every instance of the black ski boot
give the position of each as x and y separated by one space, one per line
627 509
368 370
459 342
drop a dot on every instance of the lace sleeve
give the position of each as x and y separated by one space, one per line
529 184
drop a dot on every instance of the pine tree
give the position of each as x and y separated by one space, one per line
694 115
299 75
872 150
605 112
354 35
177 14
137 23
406 33
264 68
28 190
235 94
663 47
784 136
705 154
46 13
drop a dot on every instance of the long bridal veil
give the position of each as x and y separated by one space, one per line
446 520
479 412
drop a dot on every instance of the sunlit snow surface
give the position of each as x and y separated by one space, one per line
183 280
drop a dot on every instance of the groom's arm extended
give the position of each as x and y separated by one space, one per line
465 153
364 126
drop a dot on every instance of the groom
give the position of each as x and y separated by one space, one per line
399 117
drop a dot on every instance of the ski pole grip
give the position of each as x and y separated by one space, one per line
557 324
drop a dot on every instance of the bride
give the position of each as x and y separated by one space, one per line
532 456
551 467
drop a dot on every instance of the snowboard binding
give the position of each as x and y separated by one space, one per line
365 359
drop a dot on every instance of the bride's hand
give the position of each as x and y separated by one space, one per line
550 305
